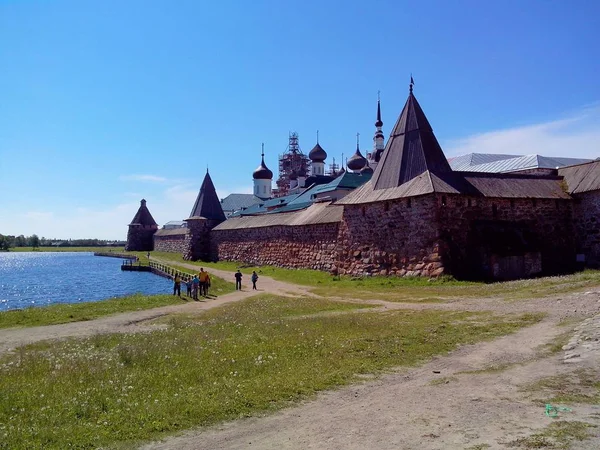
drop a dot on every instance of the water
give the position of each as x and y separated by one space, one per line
41 278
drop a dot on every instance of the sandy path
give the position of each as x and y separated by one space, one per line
133 321
435 406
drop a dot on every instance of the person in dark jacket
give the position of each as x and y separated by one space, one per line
254 279
238 280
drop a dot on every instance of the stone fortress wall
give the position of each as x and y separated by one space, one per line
296 247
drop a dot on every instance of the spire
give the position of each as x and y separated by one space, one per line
317 136
378 123
412 83
207 203
411 150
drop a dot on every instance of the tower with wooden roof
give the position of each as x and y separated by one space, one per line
206 214
141 230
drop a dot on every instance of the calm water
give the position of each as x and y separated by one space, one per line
40 279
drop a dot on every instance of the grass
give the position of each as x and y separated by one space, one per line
560 434
580 386
407 289
242 359
76 312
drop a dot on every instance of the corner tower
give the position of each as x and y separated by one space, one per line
206 214
141 230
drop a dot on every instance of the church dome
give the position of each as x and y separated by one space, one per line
317 154
357 161
262 172
366 170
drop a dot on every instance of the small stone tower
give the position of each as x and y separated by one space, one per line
141 231
206 214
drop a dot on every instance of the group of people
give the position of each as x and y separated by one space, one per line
201 282
196 285
238 280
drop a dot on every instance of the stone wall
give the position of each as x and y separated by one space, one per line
139 238
396 237
173 243
479 236
302 246
587 226
467 237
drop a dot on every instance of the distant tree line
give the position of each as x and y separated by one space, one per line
8 242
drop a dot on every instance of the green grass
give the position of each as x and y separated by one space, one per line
415 289
580 386
76 312
242 359
560 434
68 249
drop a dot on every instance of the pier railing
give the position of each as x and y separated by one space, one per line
164 270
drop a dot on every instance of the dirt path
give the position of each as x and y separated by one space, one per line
133 321
444 404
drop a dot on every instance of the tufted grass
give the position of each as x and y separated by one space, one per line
408 289
76 312
242 359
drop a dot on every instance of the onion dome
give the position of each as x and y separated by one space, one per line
262 172
366 170
317 154
357 162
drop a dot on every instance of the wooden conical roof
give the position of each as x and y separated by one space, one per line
411 150
143 216
207 203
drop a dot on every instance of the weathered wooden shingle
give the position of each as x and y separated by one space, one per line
143 216
411 149
582 178
207 203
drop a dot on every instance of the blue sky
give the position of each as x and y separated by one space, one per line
103 103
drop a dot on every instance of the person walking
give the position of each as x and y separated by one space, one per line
207 285
254 279
195 287
177 285
203 282
238 280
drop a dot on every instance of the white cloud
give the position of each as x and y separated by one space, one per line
577 136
